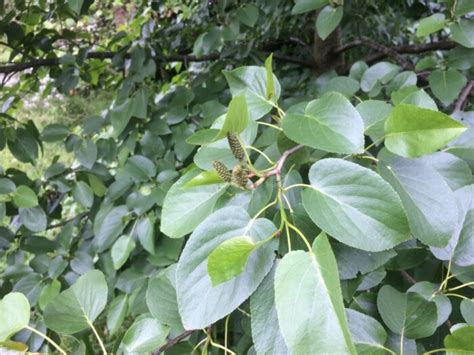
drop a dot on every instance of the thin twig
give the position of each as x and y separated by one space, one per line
466 91
172 342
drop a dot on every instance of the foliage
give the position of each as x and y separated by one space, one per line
265 177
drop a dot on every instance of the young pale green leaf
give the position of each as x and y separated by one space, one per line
355 205
467 311
237 117
330 123
374 113
75 5
367 333
411 131
193 279
14 314
121 250
251 81
86 153
431 24
144 336
79 306
270 85
25 197
229 259
460 341
185 207
463 32
266 332
248 14
460 248
309 302
343 85
161 298
429 202
328 19
48 293
83 194
116 313
407 314
447 84
205 178
302 6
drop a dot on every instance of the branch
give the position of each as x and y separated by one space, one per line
50 62
172 342
468 89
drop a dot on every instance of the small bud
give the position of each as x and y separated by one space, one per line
235 146
222 171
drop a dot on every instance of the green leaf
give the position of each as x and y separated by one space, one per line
407 314
467 311
412 131
330 123
192 277
83 194
460 248
116 313
355 205
266 332
447 84
368 334
140 168
343 85
48 293
237 117
380 73
25 197
185 207
374 113
86 153
79 306
251 81
54 133
229 259
460 340
455 171
24 147
309 302
14 314
75 5
270 85
429 202
110 227
302 6
121 250
120 115
33 218
431 24
248 14
328 20
429 292
161 298
463 33
6 186
146 234
205 178
144 336
202 137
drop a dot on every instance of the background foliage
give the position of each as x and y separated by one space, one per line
245 177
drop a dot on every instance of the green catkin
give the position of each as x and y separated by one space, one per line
240 176
222 171
235 146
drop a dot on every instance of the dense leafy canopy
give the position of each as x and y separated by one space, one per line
264 177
